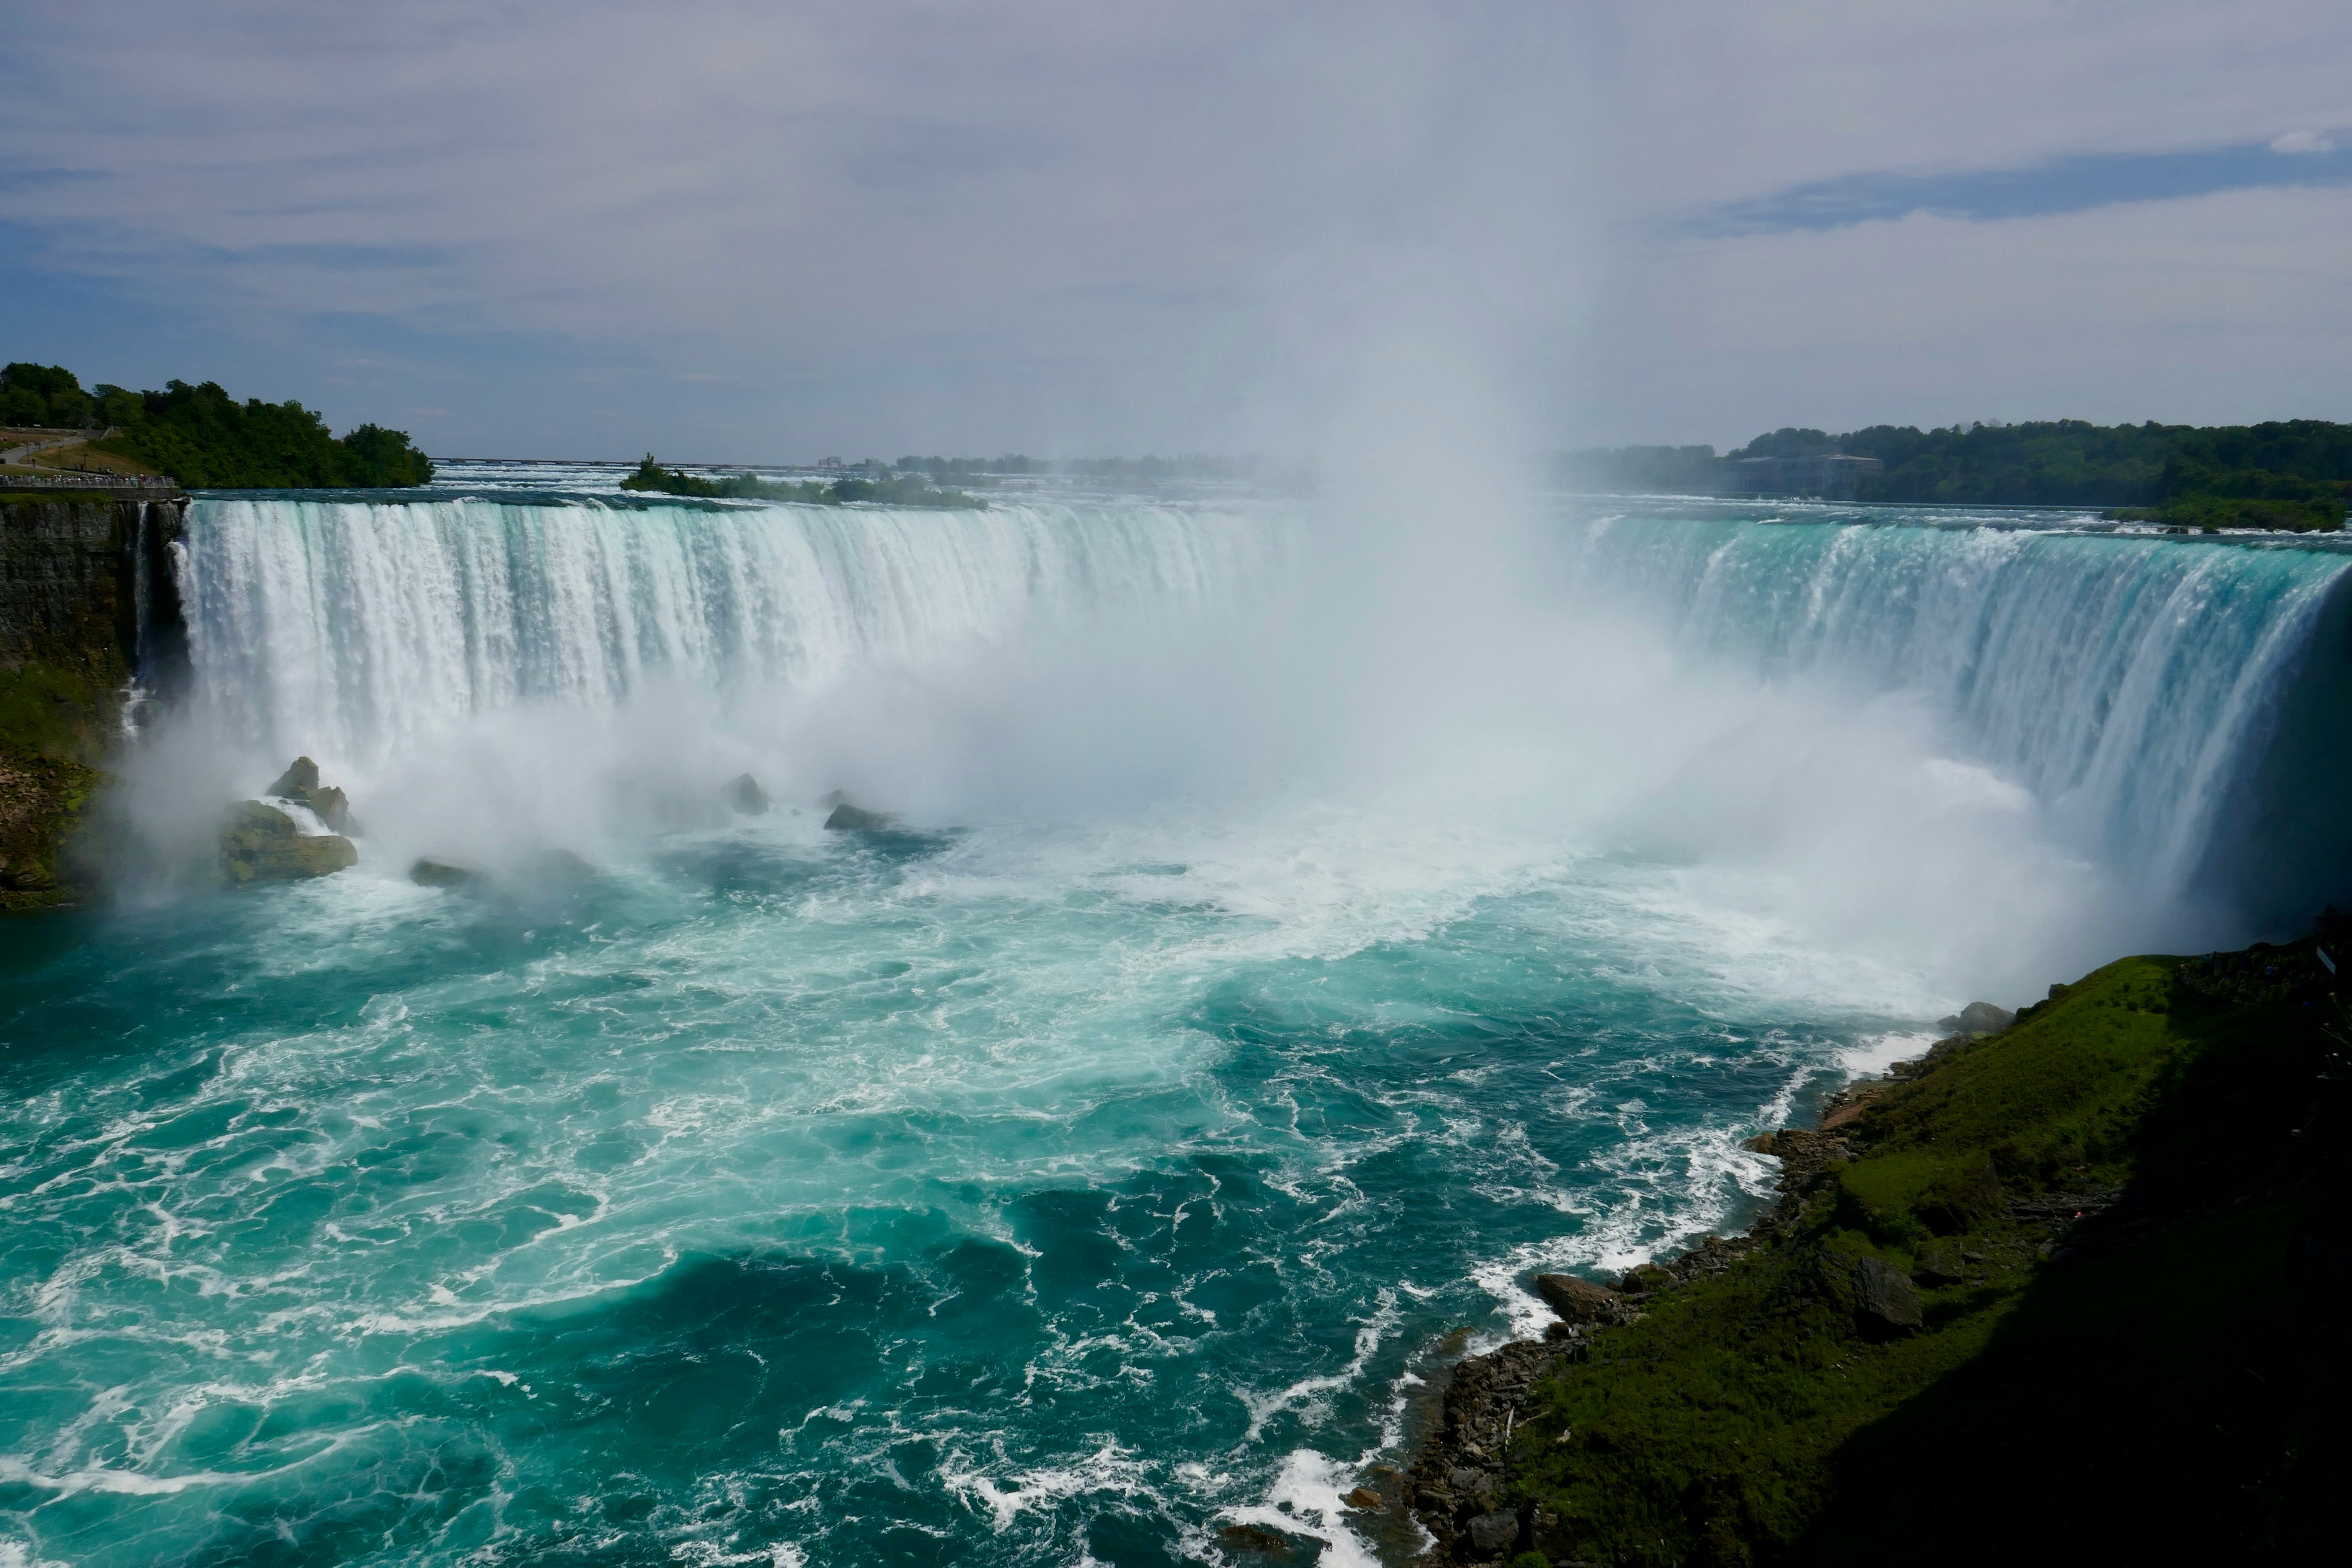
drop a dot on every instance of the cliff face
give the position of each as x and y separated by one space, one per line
87 602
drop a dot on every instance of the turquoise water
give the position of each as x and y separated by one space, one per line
998 1188
932 1198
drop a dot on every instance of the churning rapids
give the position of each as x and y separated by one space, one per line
1298 929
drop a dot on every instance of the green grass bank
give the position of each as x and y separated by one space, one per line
2074 1289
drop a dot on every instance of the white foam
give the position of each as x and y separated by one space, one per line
1306 1498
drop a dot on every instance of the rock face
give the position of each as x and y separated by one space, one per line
1577 1300
1977 1019
1454 1484
260 843
43 802
1885 1304
299 783
86 601
1645 1278
1492 1535
744 794
429 873
847 818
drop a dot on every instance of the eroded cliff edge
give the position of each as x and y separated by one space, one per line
89 631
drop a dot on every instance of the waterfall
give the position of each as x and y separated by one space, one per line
2172 703
354 627
2171 700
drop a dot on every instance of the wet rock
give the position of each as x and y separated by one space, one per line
1465 1480
300 777
847 818
259 843
1250 1538
744 794
1365 1498
1576 1300
430 873
1492 1535
558 868
299 783
1885 1304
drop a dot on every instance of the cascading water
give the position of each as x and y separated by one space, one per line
352 627
1000 1189
2136 684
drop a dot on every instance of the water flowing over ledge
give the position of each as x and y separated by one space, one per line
2163 697
348 626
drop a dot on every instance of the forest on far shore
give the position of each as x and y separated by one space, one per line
206 439
2298 472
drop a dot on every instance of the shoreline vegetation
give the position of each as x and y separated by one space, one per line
900 490
2072 1287
2289 474
205 438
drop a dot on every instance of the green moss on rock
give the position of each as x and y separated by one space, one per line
261 844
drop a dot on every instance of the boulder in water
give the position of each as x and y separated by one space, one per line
299 783
259 843
300 777
847 818
554 870
558 868
1577 1300
744 794
431 873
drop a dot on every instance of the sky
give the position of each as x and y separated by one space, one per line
733 231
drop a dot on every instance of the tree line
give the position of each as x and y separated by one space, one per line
203 438
2294 473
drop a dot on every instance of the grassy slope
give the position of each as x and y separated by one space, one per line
2166 1378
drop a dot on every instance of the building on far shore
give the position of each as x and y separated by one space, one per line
1825 476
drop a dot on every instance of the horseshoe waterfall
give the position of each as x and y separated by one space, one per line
1253 965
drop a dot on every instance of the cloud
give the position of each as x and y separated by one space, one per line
2059 186
2304 141
1044 225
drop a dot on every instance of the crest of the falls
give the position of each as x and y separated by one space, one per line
2158 694
352 627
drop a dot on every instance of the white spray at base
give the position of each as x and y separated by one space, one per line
1985 755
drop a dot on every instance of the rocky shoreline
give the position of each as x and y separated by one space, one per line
1760 1397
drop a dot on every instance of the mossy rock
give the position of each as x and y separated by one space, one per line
43 803
261 844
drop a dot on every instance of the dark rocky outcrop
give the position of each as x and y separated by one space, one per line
259 843
1977 1019
552 871
847 818
745 795
1885 1304
1973 1274
1577 1300
43 801
86 603
299 783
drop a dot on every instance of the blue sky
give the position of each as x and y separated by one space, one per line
728 230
